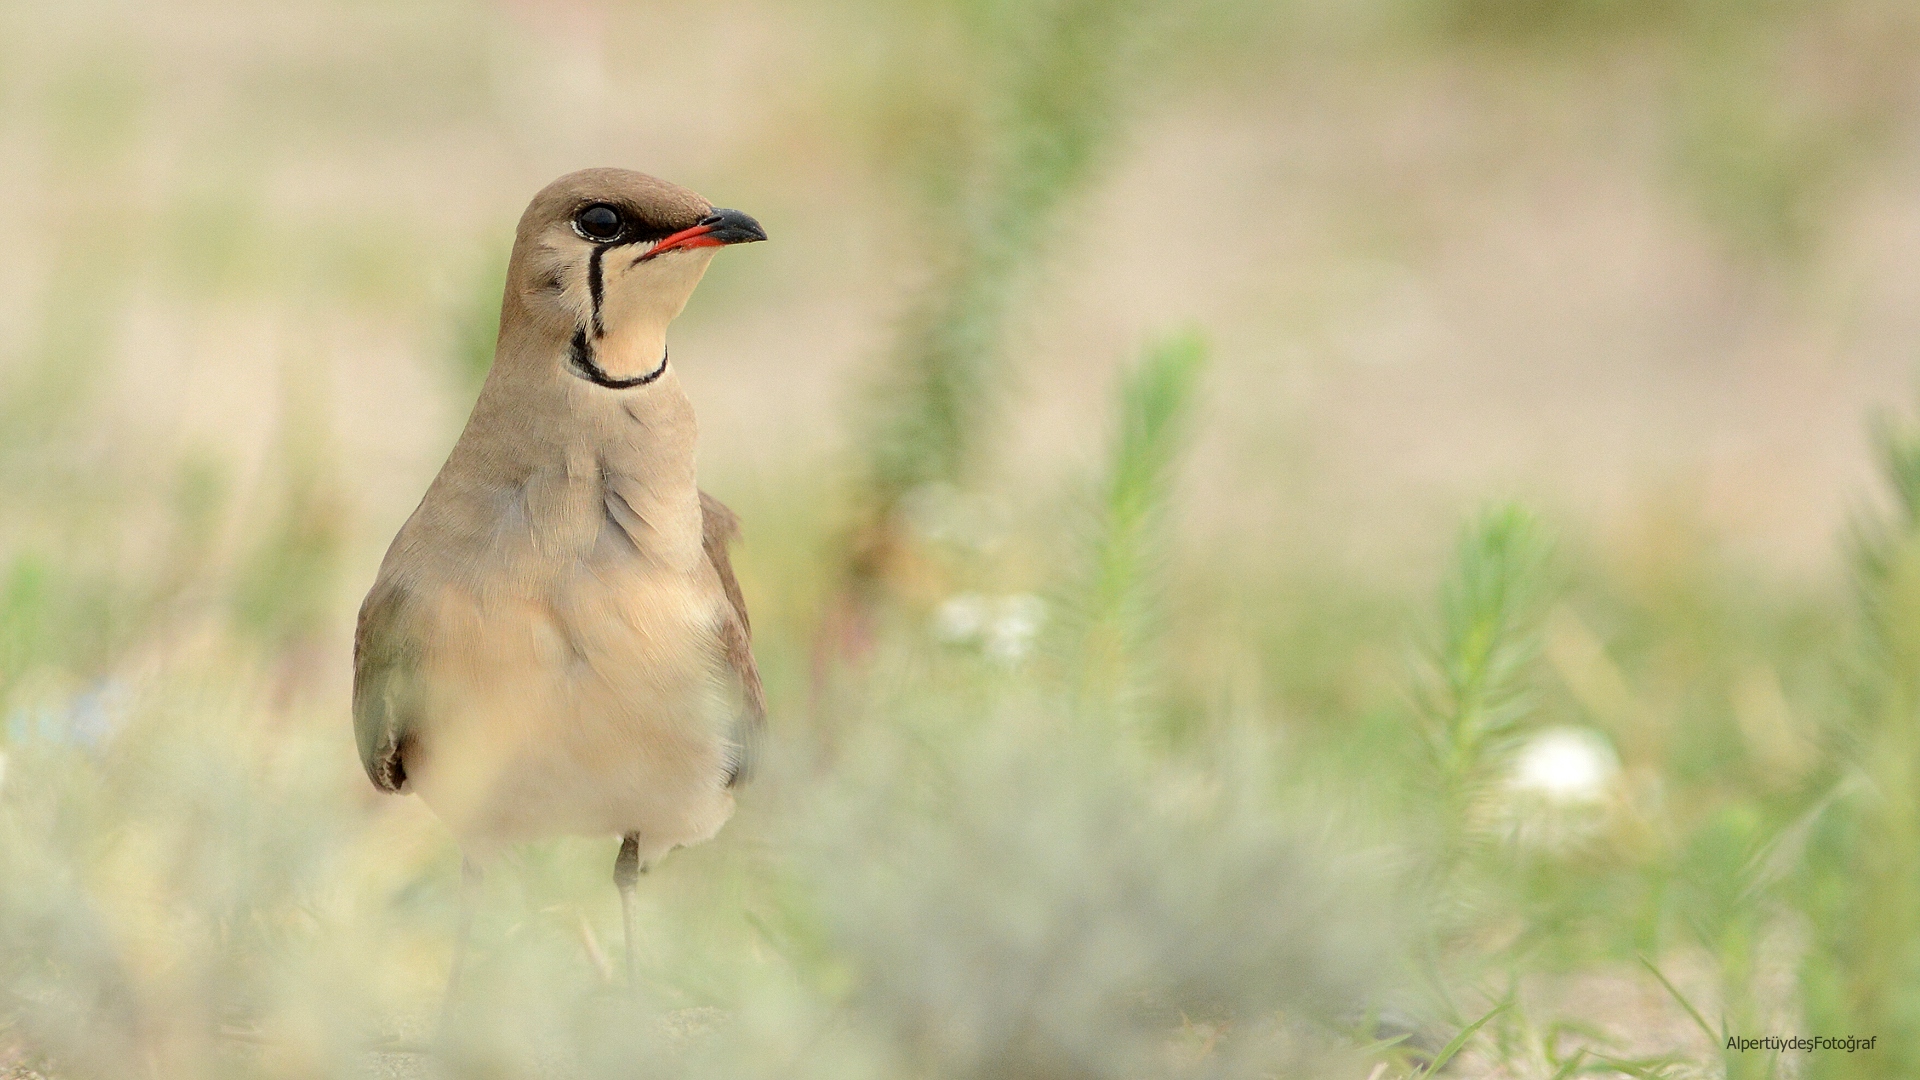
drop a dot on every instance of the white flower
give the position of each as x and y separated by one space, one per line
961 619
1565 765
1003 627
1011 635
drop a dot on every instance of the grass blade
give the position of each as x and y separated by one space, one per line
1699 1020
1459 1041
1572 1064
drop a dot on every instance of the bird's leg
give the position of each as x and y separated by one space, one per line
470 877
626 874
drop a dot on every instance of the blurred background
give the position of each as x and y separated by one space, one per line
1286 538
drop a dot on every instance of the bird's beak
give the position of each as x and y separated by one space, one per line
717 229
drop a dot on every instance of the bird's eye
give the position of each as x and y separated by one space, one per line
599 222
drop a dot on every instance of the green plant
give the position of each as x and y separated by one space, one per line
1861 974
1047 90
1115 611
1480 684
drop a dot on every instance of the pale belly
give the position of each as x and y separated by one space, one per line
594 710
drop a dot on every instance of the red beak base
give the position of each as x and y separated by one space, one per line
697 237
717 229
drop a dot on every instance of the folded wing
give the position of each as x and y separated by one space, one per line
720 528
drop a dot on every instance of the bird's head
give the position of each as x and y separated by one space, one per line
604 259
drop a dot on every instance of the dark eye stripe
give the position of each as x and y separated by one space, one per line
595 289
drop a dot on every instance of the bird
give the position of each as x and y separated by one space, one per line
555 642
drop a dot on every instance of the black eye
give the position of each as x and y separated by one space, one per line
599 222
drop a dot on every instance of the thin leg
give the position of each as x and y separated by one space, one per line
470 878
626 874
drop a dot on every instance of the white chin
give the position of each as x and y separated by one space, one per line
640 303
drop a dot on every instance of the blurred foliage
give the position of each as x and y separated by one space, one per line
1004 133
1115 612
1023 898
1861 834
1482 664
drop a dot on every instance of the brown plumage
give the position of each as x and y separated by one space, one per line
720 528
556 642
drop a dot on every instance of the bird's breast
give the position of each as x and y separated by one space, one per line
572 671
593 708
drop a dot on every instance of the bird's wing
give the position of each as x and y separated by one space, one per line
719 527
386 700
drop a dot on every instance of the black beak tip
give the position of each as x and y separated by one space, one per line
733 227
